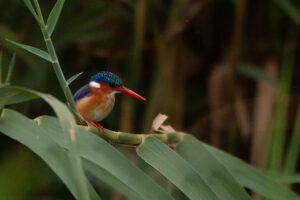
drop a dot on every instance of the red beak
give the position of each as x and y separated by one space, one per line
130 92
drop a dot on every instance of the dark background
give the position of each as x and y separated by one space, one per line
213 66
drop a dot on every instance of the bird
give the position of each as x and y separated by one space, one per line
96 99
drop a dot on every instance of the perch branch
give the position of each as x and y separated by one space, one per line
169 138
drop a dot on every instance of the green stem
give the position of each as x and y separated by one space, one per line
57 68
280 116
1 55
294 147
76 166
136 139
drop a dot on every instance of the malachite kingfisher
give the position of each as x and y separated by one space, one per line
96 99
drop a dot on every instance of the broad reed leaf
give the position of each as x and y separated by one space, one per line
10 68
27 132
32 50
67 122
51 125
252 178
216 176
110 179
73 78
8 96
99 153
54 15
175 168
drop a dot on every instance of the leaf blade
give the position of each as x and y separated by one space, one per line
290 9
210 169
35 138
1 56
31 9
10 68
176 169
252 178
54 15
73 78
97 151
67 122
32 50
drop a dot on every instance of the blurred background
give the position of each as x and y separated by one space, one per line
225 71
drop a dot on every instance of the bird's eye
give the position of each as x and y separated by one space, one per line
95 84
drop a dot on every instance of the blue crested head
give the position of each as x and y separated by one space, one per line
107 77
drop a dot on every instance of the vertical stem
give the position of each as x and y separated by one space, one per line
76 166
56 66
279 125
1 55
133 66
294 147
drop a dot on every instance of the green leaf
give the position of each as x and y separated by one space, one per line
54 15
1 56
33 50
293 148
174 168
252 178
8 96
10 68
67 122
255 73
31 9
71 79
27 132
290 9
210 169
288 178
110 179
103 155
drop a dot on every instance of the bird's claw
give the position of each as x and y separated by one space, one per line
98 126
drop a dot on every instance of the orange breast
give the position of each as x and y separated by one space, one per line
96 106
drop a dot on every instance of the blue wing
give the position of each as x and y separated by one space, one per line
82 92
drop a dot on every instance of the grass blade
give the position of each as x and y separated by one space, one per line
1 56
31 9
27 132
54 15
281 111
71 79
32 50
210 169
101 154
290 9
255 73
174 168
294 147
252 178
10 68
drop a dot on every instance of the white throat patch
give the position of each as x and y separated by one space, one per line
114 92
95 84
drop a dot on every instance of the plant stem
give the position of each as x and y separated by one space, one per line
57 68
170 138
76 166
280 116
294 147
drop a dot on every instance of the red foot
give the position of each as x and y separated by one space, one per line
98 126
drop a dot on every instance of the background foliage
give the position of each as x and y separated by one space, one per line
224 71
